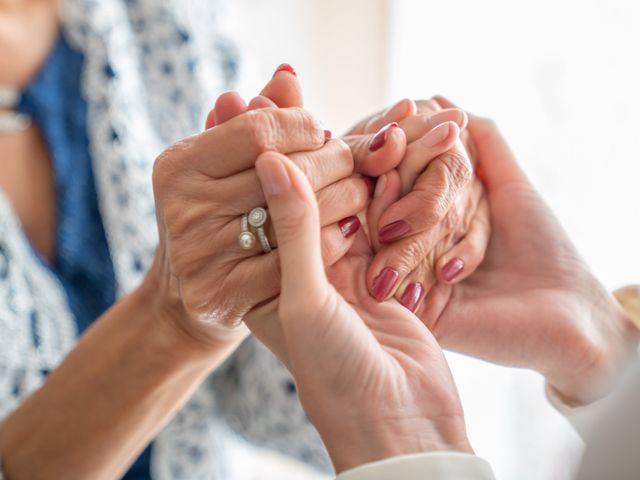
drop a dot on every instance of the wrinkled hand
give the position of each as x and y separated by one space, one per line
370 375
429 220
205 282
533 302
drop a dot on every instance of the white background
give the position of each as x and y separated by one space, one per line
562 78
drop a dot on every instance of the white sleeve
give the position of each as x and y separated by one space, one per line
424 466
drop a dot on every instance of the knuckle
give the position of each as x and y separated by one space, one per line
435 205
344 154
261 127
310 166
411 254
170 162
458 167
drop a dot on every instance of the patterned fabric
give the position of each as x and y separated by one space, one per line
151 71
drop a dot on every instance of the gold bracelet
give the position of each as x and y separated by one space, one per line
629 300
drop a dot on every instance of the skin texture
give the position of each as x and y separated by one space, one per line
533 302
442 199
438 197
168 332
109 397
370 375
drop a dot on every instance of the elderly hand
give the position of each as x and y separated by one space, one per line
370 375
431 188
204 282
429 219
533 302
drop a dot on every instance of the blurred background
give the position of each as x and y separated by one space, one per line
560 78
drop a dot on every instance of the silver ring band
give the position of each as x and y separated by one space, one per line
257 219
246 239
264 241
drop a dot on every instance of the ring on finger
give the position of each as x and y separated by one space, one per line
246 239
257 219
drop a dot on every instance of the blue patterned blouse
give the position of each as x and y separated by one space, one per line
83 263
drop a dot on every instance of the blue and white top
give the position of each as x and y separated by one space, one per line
126 79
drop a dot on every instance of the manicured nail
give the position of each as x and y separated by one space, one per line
370 182
285 67
349 226
412 296
437 135
452 269
327 135
384 283
393 231
273 176
380 185
380 138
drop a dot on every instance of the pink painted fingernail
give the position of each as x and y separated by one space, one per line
436 135
412 296
327 135
380 138
349 226
452 269
384 283
370 182
285 67
393 231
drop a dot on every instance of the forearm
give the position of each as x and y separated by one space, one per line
108 398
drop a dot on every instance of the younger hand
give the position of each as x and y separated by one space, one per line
370 375
533 302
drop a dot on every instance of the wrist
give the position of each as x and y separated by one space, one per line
191 337
366 442
611 343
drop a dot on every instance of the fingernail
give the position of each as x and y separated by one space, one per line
452 269
393 231
436 135
349 226
412 296
273 176
285 67
370 182
384 283
327 135
380 138
380 185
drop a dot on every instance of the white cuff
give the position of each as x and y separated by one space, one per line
424 466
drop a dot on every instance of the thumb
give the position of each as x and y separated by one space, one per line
294 214
496 163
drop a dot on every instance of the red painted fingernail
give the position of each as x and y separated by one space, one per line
285 67
383 284
452 269
412 296
393 231
370 182
380 138
327 135
349 226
